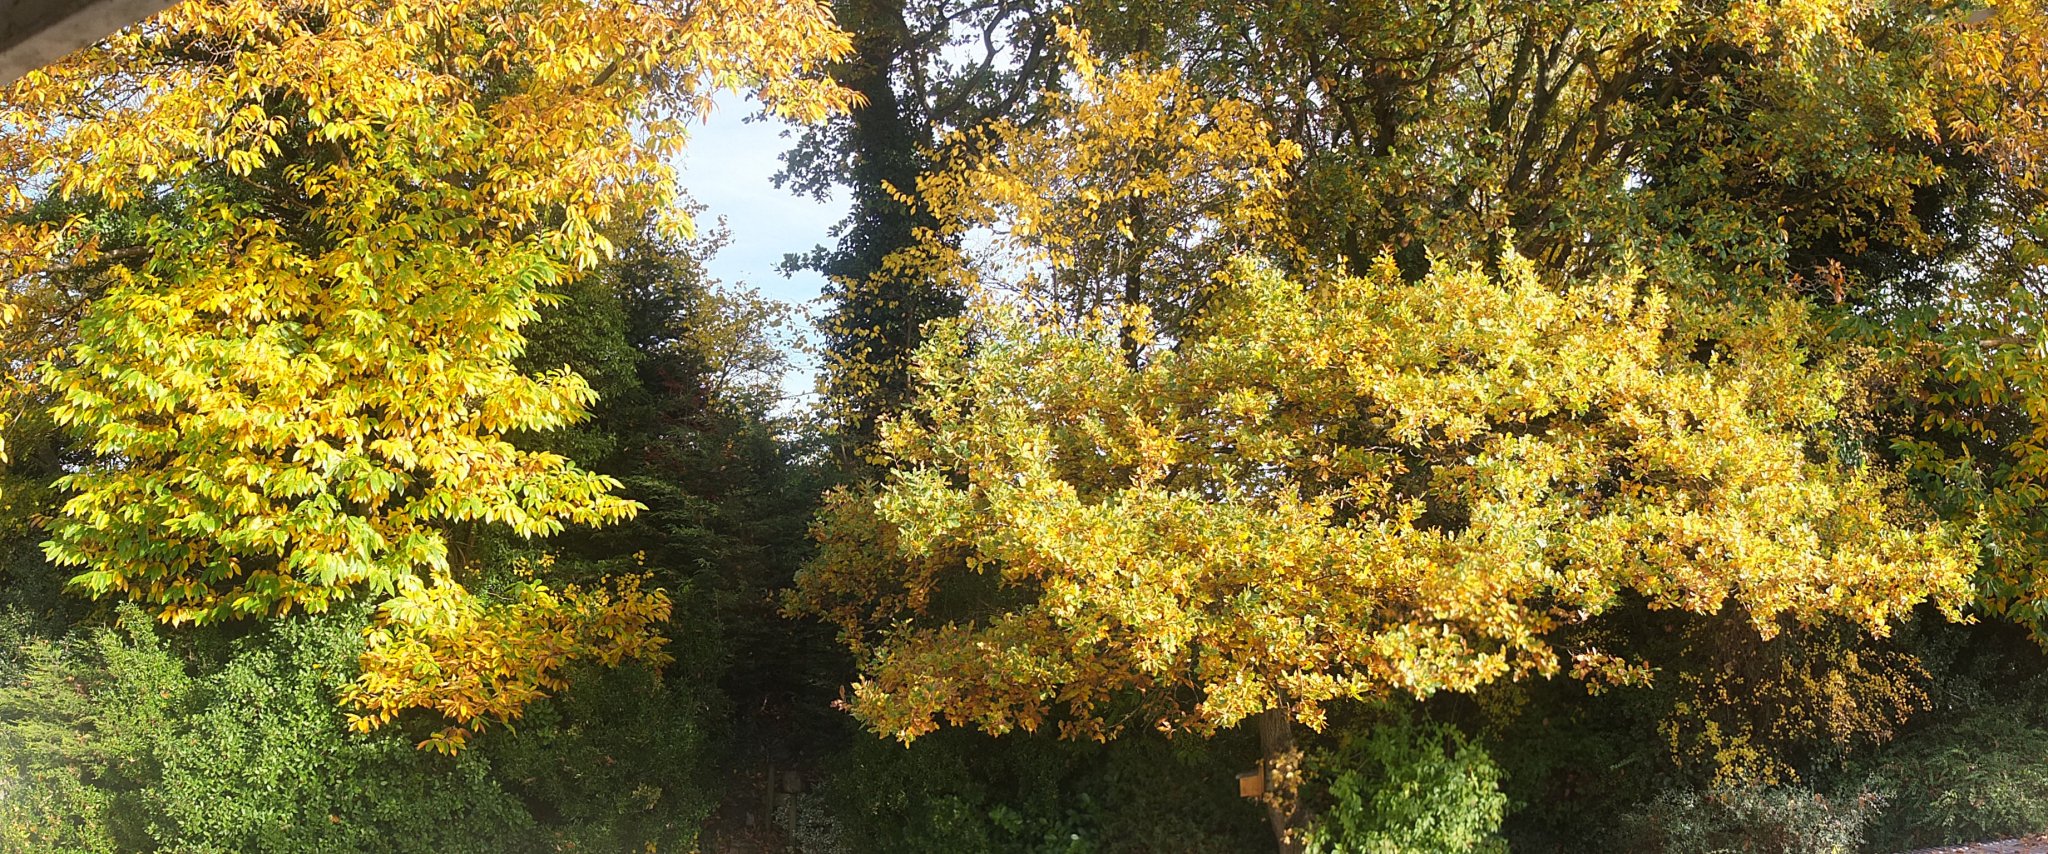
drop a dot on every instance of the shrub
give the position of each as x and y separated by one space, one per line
1749 820
956 790
1406 788
1981 777
111 740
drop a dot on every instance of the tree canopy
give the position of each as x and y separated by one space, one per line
1329 351
292 248
1552 422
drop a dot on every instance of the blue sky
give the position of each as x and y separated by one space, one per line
727 167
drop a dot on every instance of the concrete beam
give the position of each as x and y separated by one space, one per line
35 33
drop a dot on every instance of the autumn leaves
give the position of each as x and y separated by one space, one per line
1280 384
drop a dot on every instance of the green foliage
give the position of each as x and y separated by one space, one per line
256 764
961 794
116 741
117 747
621 761
79 724
1982 776
1750 820
1571 762
963 791
1402 788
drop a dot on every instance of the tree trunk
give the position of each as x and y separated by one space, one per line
1134 286
879 322
1282 766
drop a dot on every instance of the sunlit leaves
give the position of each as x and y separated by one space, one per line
1346 489
478 662
311 234
1134 189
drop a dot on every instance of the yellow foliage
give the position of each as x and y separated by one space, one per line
1757 704
1977 363
1129 491
296 244
1992 68
1135 189
1130 194
1345 489
441 648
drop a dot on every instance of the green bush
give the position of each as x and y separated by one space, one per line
957 790
1404 788
1981 777
111 740
79 723
114 746
619 762
1749 820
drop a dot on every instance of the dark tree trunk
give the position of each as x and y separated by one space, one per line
1134 286
1282 766
877 323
